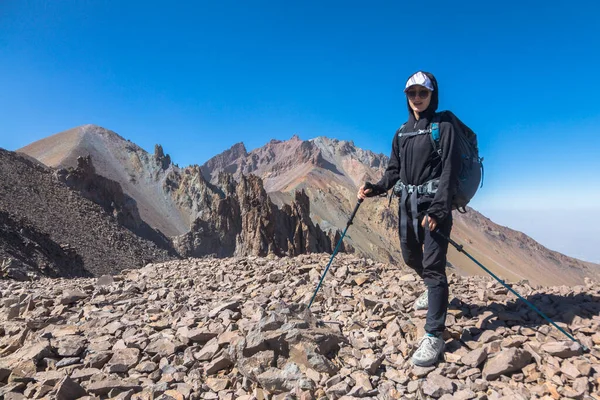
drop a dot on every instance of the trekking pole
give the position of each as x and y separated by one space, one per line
460 249
335 251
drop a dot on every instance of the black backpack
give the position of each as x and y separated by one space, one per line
470 175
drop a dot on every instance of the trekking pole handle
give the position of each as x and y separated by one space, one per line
354 212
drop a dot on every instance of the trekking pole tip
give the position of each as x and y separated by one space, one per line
585 348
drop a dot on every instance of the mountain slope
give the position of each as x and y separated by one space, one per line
142 176
54 231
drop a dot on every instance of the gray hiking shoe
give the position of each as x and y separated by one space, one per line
422 303
430 349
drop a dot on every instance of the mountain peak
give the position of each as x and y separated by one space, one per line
238 149
91 126
224 161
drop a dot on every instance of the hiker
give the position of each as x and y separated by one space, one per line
426 180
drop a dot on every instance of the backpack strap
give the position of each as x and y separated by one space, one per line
435 134
398 136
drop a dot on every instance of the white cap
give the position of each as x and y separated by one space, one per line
419 79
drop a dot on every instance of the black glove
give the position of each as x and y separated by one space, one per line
376 190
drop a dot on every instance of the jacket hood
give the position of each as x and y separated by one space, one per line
433 105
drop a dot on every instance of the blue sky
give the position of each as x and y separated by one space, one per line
198 77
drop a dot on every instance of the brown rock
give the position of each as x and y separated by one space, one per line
217 384
34 352
174 394
504 363
125 359
208 351
217 365
564 349
23 372
49 378
420 372
163 347
361 279
570 370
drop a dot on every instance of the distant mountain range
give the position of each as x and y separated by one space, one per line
285 198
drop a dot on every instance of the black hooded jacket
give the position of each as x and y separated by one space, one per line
414 161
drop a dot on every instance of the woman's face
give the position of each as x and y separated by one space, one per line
419 98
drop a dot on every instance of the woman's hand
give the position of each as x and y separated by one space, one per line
430 221
362 193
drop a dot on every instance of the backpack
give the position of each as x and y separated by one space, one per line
471 171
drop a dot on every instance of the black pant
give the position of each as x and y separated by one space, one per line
429 262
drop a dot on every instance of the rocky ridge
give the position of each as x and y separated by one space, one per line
330 172
144 191
236 328
239 218
188 204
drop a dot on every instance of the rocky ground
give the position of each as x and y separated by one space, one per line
235 329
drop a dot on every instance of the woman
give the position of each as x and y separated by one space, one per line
425 178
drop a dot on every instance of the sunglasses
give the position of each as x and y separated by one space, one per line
423 94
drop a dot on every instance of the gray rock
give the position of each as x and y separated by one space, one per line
276 276
69 346
84 373
200 335
97 360
420 372
105 280
436 386
65 362
230 305
103 387
475 357
506 362
68 389
207 352
276 380
71 296
466 394
146 367
338 390
371 364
